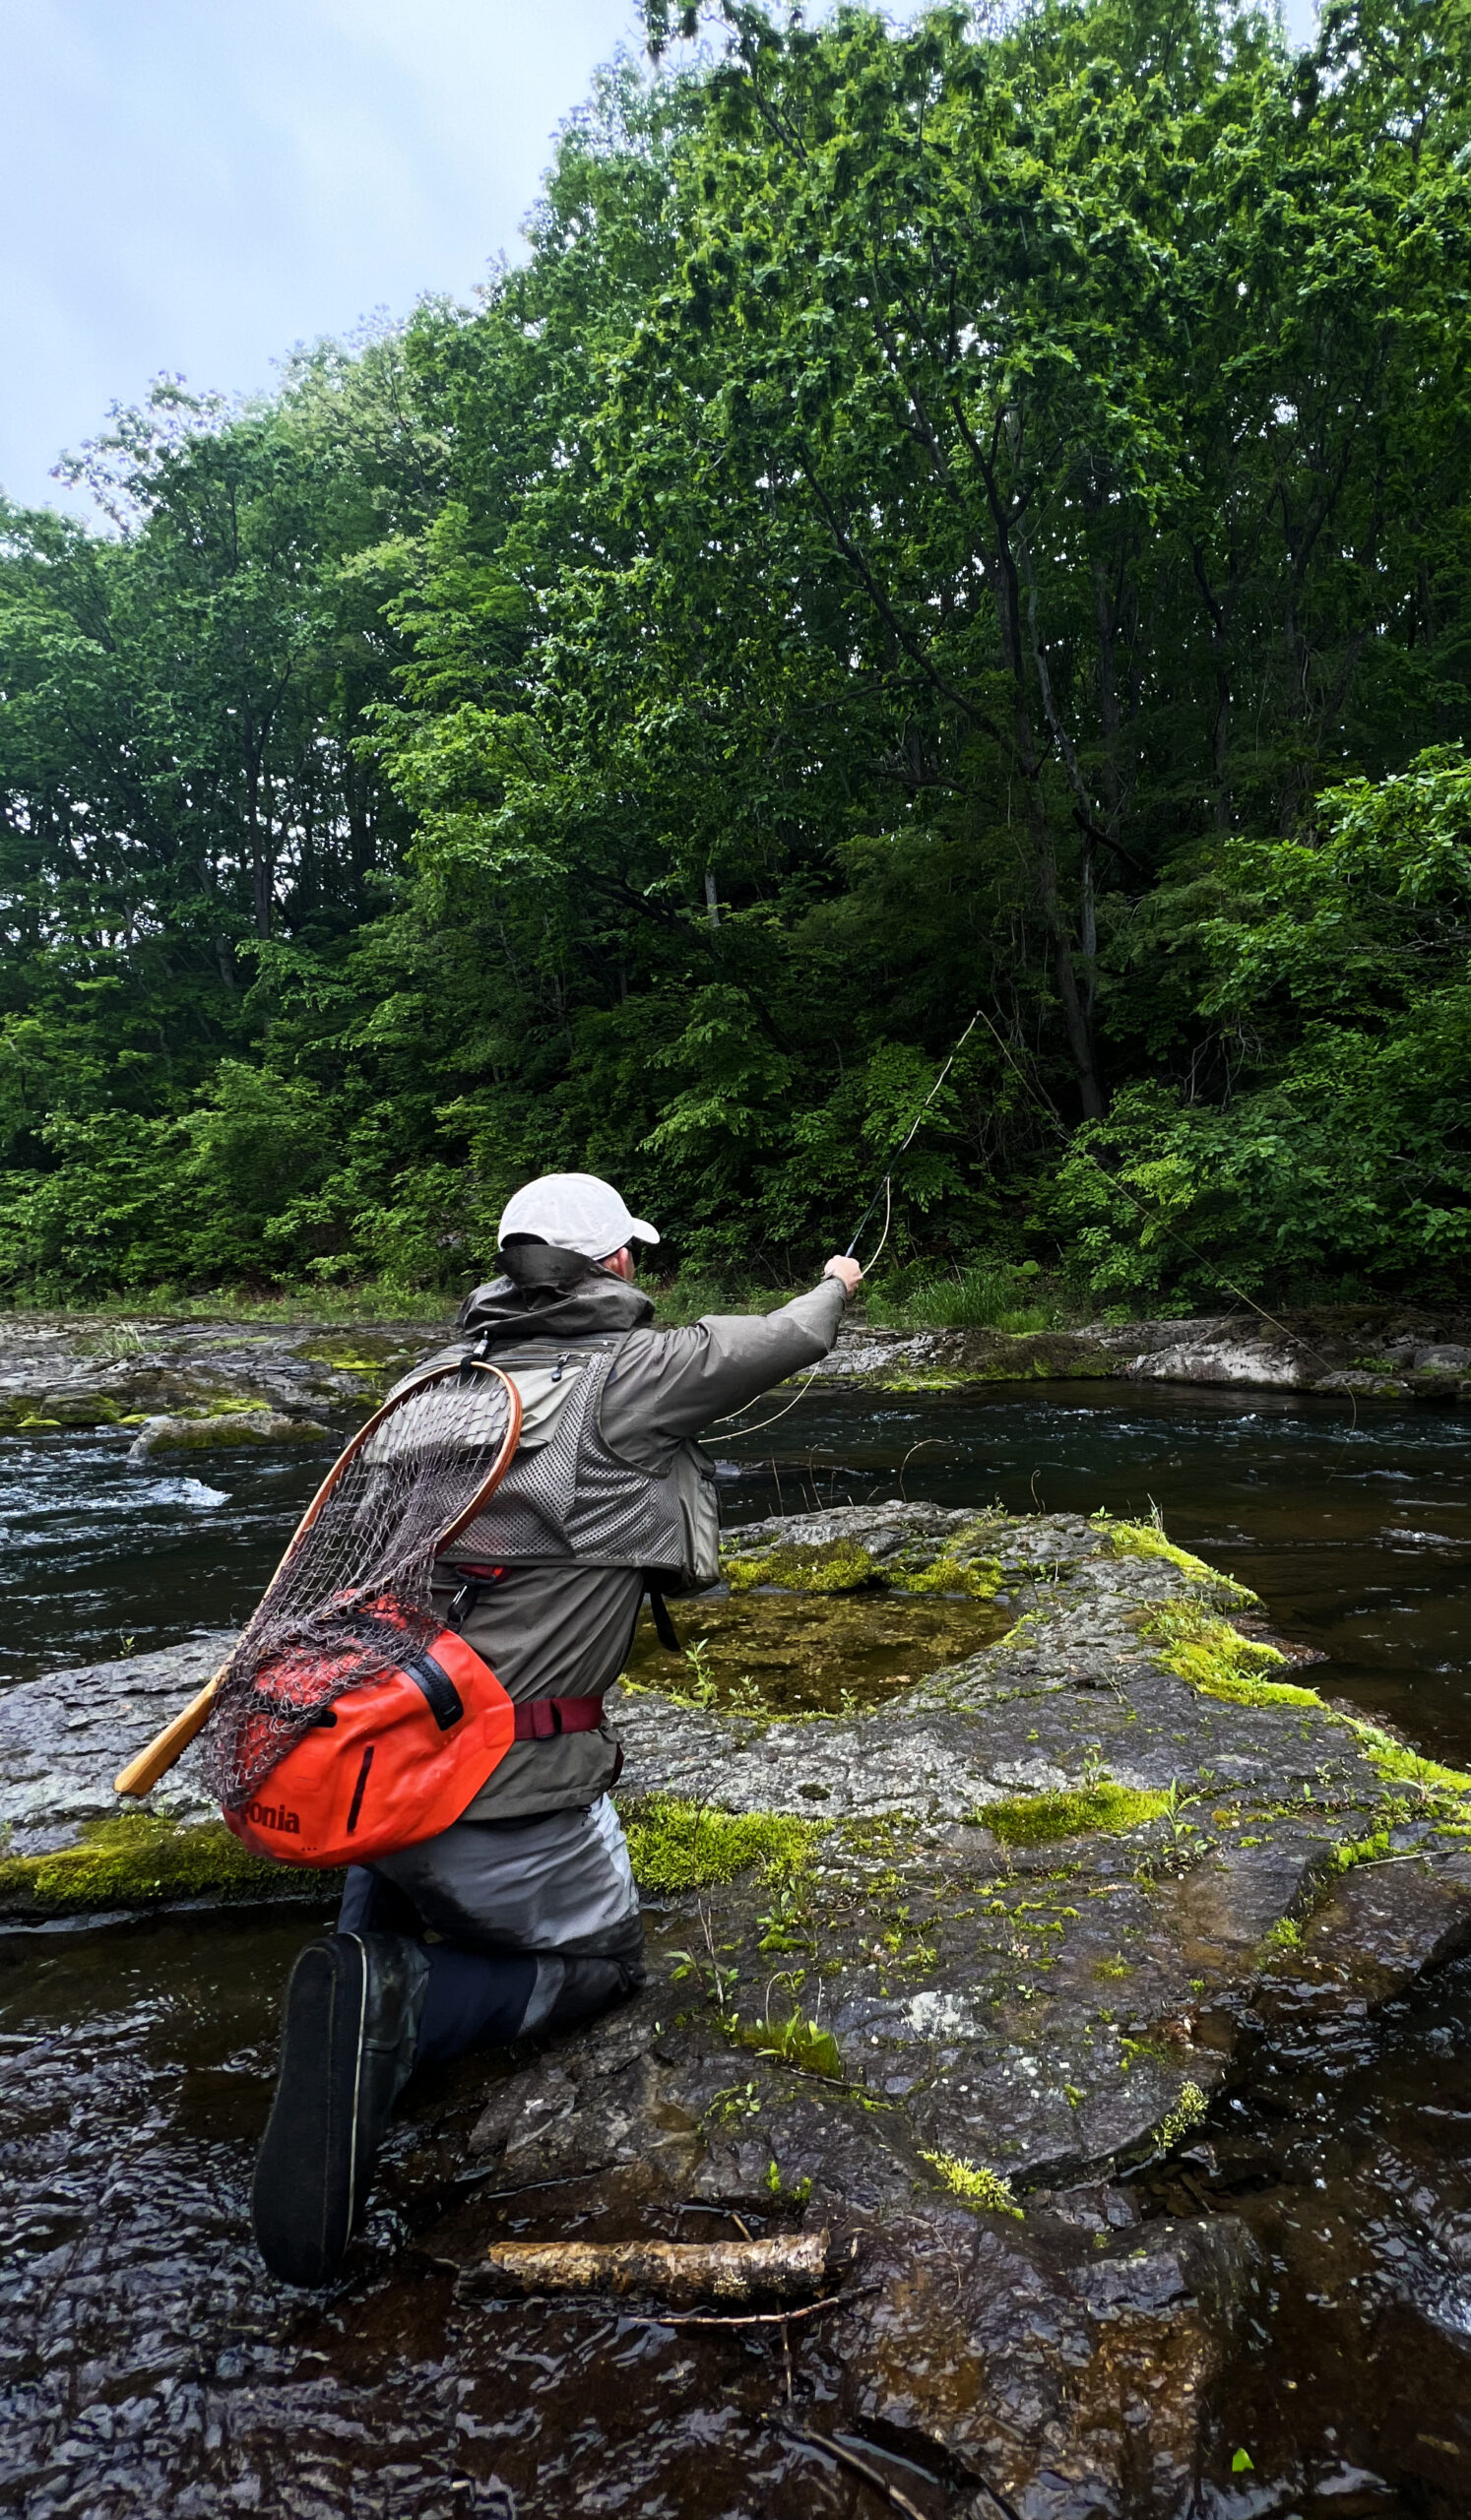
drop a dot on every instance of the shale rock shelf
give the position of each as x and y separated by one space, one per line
951 1978
190 1386
1376 1351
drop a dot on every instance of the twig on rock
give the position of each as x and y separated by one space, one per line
751 2318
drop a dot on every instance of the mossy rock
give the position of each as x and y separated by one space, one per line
1214 1659
1032 1819
1146 1540
227 1422
846 1566
137 1860
830 1566
676 1846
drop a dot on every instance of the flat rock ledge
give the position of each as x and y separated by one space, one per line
939 1980
1382 1351
194 1383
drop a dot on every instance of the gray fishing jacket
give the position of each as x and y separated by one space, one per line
563 1626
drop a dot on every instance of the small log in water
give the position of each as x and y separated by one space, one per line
785 2269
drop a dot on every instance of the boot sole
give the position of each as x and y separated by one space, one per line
304 2196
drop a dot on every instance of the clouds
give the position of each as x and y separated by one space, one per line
195 184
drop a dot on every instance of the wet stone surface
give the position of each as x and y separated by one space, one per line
1066 1930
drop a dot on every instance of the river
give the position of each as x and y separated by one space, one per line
145 2365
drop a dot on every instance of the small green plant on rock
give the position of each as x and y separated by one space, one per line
1187 2112
733 2107
797 2041
984 2190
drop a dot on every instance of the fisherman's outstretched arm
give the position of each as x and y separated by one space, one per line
676 1382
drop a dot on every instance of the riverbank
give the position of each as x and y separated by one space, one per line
943 1978
189 1385
1380 1351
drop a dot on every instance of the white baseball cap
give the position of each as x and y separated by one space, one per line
576 1212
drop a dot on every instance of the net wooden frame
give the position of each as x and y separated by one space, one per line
352 1594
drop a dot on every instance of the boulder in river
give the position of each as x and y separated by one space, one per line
76 1370
223 1426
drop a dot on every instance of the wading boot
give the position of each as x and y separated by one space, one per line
352 2014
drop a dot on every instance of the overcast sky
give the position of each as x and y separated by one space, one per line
197 184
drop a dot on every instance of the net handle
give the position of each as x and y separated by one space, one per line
142 1772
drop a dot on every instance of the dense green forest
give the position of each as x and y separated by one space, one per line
968 517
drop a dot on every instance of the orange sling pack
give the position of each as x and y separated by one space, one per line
388 1763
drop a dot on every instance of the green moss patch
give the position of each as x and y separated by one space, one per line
1146 1540
981 1578
1030 1820
677 1845
1188 2114
1401 1766
1209 1654
137 1860
836 1566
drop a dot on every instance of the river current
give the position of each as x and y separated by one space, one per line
146 2365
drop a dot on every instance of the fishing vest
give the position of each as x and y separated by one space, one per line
568 1498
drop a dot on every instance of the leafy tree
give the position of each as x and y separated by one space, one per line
929 516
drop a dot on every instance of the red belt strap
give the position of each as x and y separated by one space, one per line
541 1719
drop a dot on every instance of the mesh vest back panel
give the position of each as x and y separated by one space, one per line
567 1496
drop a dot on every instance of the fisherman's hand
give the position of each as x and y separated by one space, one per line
847 1270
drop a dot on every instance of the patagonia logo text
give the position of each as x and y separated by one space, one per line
265 1815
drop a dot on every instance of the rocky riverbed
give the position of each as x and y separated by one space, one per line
951 1976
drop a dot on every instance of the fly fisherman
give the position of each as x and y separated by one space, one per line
522 1918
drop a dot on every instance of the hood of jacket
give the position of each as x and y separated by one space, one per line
593 1304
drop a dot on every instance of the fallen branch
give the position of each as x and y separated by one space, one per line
748 2318
675 2271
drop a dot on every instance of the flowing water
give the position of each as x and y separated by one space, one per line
148 2367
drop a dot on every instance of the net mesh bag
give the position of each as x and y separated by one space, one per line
351 1597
